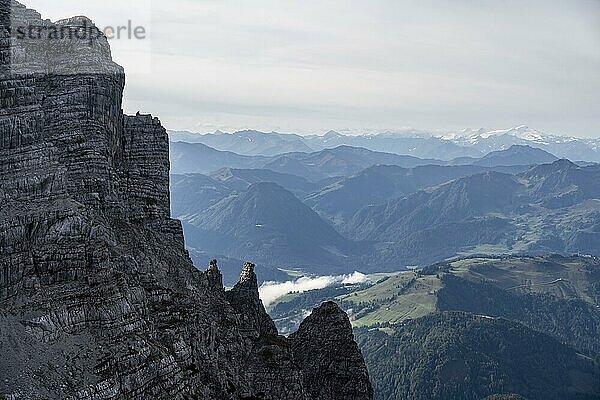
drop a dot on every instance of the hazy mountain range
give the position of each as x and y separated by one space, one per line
314 166
430 145
549 208
268 224
351 208
336 162
502 316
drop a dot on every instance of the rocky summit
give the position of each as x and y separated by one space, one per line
98 296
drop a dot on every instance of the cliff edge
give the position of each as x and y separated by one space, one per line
98 296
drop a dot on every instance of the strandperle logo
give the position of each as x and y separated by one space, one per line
84 32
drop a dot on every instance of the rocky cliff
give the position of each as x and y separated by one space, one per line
325 348
98 297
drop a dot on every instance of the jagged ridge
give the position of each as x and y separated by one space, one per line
98 297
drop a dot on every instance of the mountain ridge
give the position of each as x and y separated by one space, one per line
98 296
399 217
270 224
516 155
444 146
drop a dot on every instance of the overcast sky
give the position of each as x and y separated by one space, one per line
354 65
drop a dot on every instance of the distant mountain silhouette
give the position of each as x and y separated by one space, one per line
456 201
466 144
486 141
270 225
399 216
379 184
550 208
194 193
249 142
516 155
241 179
253 143
563 183
408 143
340 161
202 159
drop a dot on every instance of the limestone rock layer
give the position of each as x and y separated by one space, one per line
98 296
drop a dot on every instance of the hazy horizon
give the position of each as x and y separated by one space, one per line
309 67
406 132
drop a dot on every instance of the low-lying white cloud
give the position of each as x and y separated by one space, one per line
354 279
272 291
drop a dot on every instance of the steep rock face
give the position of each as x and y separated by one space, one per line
330 358
98 297
146 171
244 299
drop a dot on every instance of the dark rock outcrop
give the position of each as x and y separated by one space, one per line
332 363
244 299
98 296
215 278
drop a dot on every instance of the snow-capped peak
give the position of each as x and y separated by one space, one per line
473 137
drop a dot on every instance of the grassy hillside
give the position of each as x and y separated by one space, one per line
454 355
559 296
395 299
475 327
